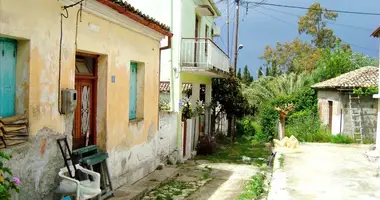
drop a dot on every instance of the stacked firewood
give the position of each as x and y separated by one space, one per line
13 130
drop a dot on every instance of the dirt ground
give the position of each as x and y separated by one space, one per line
327 172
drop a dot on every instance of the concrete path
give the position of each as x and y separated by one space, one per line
327 172
228 181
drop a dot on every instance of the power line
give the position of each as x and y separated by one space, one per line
333 23
355 45
305 8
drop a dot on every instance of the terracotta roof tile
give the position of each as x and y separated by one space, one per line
165 86
363 77
121 6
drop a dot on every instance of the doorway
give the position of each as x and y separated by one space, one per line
330 114
85 114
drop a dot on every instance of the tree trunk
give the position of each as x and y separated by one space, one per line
212 124
233 129
229 128
282 124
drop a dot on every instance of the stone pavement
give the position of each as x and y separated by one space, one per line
145 185
222 182
325 172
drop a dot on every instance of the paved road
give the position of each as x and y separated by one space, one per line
328 172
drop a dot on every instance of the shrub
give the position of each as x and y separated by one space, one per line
6 183
342 139
247 126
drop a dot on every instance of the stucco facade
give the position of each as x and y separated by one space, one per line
341 117
117 41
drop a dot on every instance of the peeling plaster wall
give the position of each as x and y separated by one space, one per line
131 164
36 25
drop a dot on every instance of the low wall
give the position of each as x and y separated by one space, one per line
130 165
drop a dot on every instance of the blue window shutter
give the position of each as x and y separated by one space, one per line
133 91
7 77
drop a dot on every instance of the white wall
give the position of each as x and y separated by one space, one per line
323 104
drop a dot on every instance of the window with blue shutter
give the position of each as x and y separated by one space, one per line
8 49
133 91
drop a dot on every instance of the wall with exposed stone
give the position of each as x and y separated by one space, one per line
341 116
132 164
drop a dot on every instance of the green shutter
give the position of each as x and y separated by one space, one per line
7 77
133 91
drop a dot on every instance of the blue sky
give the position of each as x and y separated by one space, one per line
265 25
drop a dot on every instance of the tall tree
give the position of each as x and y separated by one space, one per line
239 74
260 72
314 24
247 78
267 71
295 56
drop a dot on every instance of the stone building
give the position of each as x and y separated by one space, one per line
345 112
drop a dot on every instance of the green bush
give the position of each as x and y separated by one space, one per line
341 139
306 127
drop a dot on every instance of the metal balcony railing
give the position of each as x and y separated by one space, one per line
203 53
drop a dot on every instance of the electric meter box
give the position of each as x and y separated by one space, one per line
68 101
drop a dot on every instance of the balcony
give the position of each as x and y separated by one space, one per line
203 56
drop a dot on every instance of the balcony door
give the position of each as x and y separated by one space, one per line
196 35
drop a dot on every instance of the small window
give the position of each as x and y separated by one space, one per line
84 65
136 91
133 91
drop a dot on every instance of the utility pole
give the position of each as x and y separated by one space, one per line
228 30
236 35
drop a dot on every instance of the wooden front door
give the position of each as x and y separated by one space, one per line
85 113
330 114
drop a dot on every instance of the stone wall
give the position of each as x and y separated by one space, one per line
37 163
130 165
341 121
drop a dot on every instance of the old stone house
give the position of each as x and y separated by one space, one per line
345 112
110 53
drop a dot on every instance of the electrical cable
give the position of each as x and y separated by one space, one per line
305 8
333 23
355 45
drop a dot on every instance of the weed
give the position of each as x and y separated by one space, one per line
205 176
232 153
255 188
341 139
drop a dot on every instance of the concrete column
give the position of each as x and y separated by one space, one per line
195 94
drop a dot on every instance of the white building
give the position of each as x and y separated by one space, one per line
192 59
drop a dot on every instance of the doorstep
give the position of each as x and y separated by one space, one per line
139 189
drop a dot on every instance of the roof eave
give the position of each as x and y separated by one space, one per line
152 25
376 33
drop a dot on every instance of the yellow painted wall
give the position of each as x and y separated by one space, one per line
38 23
195 78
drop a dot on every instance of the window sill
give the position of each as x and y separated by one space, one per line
136 121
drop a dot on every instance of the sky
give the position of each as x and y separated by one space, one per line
266 25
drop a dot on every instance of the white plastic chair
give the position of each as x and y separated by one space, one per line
81 189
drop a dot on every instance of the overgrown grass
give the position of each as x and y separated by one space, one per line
255 188
232 153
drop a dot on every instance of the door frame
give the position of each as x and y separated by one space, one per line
94 80
330 114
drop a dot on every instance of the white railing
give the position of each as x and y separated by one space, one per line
203 53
